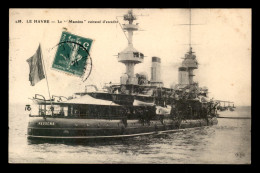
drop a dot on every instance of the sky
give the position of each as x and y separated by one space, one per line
221 42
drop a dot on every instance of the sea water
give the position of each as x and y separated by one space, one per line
228 142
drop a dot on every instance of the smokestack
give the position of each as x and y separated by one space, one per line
156 72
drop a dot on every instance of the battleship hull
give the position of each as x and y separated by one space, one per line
135 107
64 128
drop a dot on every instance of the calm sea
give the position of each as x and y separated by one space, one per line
229 142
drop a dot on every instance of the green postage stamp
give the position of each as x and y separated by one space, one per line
72 54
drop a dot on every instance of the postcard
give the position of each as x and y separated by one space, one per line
130 86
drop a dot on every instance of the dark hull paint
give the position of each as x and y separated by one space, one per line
62 128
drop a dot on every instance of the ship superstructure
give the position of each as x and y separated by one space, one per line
136 106
186 70
130 56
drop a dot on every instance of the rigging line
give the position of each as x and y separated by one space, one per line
190 27
99 75
45 74
97 71
122 30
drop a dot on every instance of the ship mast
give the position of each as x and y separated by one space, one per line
190 51
188 64
130 56
190 29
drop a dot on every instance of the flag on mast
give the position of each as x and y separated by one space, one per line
36 67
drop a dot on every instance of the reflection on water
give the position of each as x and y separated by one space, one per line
226 143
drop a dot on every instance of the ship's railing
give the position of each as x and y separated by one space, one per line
59 98
40 96
130 56
44 102
111 84
41 101
93 86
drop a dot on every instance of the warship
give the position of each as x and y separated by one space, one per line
136 106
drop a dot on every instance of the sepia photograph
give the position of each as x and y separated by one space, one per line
130 86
